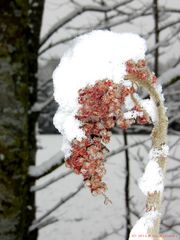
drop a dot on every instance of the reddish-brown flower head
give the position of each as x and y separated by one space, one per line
101 108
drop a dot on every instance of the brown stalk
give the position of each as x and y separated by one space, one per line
159 138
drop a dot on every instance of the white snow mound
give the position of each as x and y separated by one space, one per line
94 56
140 229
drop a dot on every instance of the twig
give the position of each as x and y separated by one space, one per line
61 202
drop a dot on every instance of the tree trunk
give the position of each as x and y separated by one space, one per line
18 61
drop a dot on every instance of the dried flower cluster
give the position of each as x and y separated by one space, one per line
101 109
140 70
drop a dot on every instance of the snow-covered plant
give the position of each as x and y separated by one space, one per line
96 85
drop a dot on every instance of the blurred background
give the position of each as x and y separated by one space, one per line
39 197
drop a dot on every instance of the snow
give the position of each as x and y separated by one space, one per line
152 180
85 216
153 177
150 107
128 102
147 104
156 152
159 90
36 171
94 56
132 114
69 127
140 229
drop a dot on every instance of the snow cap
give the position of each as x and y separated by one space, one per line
97 55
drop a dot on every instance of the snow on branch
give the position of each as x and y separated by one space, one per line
172 73
36 188
40 106
101 75
164 26
42 224
47 166
163 43
166 41
169 9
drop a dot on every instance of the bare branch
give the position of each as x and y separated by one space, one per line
177 62
61 41
128 18
165 42
163 27
177 186
167 77
44 85
107 234
168 9
174 118
174 145
121 149
61 202
99 25
76 12
42 224
169 24
49 182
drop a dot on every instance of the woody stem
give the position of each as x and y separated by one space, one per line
159 138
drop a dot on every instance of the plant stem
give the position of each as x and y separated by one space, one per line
159 139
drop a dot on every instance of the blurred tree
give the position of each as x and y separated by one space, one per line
20 30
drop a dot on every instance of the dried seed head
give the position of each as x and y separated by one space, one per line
101 107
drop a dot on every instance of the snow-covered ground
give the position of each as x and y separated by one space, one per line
86 217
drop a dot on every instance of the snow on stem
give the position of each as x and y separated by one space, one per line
96 86
152 182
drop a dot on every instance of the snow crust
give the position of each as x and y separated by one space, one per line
140 229
153 177
94 56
